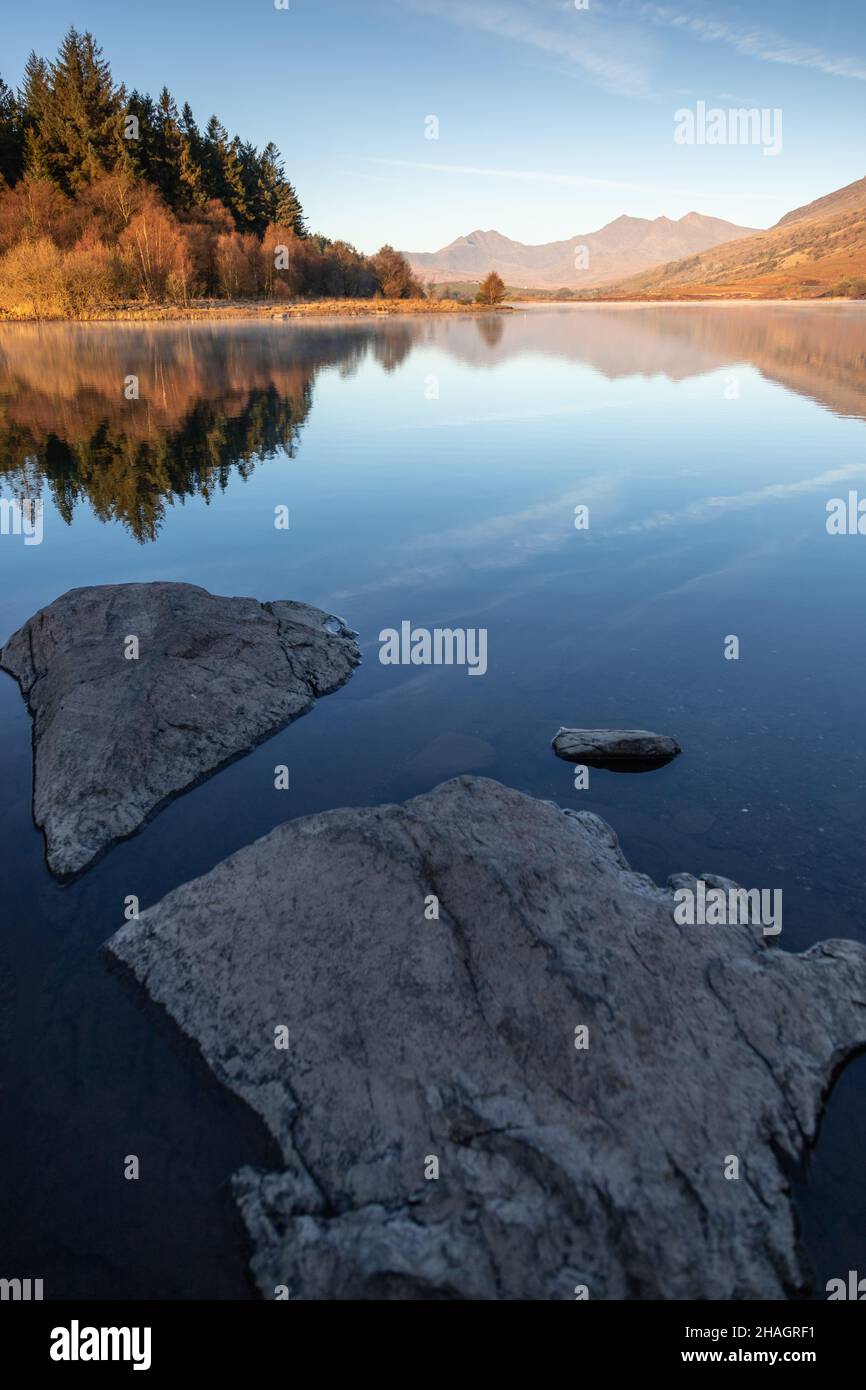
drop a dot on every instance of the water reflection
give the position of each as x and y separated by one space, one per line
217 399
452 506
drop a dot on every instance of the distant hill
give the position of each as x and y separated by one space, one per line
622 248
812 252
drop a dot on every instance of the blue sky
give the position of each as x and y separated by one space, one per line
552 120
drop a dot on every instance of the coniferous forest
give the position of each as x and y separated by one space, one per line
108 196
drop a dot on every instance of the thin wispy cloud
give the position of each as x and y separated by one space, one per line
583 39
544 176
501 542
710 507
606 42
525 175
756 42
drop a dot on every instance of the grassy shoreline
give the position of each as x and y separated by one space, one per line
207 310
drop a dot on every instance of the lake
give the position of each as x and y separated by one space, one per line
431 468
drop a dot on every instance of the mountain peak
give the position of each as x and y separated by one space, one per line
816 251
625 246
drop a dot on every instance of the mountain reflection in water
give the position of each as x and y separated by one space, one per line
213 399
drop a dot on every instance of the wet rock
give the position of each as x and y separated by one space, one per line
689 881
618 750
139 691
418 1044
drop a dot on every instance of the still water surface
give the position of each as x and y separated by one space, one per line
432 469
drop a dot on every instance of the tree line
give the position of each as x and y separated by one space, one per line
107 195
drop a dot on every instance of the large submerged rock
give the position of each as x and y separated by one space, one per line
116 734
412 1039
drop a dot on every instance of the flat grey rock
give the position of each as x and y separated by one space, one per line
114 738
626 750
412 1039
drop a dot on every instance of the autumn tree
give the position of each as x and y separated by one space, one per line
136 200
492 289
35 209
72 124
155 249
394 275
239 265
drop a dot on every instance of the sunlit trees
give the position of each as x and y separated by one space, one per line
72 124
156 253
239 269
394 275
138 202
491 290
75 110
278 201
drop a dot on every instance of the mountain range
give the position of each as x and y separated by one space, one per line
624 247
815 251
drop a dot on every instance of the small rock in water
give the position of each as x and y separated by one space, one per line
619 750
138 691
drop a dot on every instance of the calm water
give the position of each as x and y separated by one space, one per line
432 469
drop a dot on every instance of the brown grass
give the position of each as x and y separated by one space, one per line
210 309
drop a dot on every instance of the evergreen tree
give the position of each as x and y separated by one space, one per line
255 218
241 184
214 147
138 139
35 99
279 201
165 166
192 190
71 126
79 123
11 137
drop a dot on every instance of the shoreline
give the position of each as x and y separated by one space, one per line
697 303
203 311
210 311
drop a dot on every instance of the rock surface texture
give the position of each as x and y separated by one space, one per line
633 749
412 1039
115 736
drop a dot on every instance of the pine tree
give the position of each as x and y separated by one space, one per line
11 137
192 189
165 167
145 149
279 201
79 124
241 184
214 149
35 99
255 220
